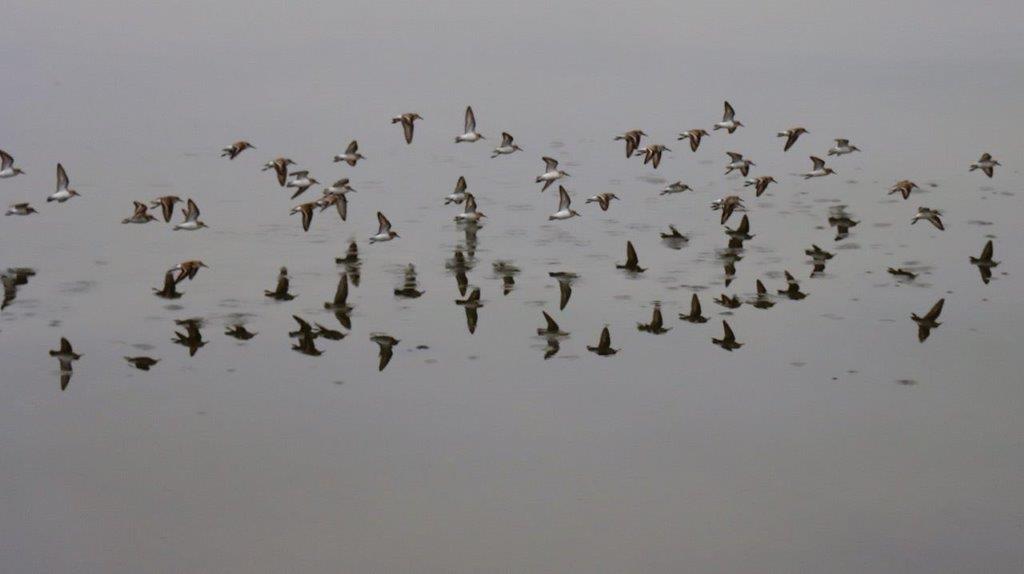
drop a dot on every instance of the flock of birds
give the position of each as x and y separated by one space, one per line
336 195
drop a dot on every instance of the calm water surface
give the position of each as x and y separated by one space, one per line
831 441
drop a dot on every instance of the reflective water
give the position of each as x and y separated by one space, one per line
832 440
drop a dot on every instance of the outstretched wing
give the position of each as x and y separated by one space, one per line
563 198
470 120
729 113
407 128
460 186
550 163
817 162
552 325
694 306
6 160
385 225
352 148
62 178
506 139
729 335
631 259
606 339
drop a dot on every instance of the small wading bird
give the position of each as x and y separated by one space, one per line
652 154
351 155
407 121
632 139
20 209
551 173
930 215
232 151
469 132
656 326
695 315
564 211
7 169
64 192
603 200
140 215
191 222
929 321
791 136
738 162
300 182
818 169
632 263
604 345
728 340
65 356
384 232
903 187
166 204
694 136
729 121
507 146
842 147
986 164
280 293
760 184
280 167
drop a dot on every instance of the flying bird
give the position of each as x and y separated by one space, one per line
351 155
407 121
469 133
232 151
64 192
791 136
564 211
551 173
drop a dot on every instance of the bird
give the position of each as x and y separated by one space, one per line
280 293
657 324
729 121
632 263
306 343
469 128
7 169
792 289
188 269
386 344
742 231
791 136
64 192
842 147
507 271
984 262
551 328
838 218
695 315
280 167
738 162
339 187
470 213
20 209
673 234
727 205
306 209
169 290
930 215
551 173
676 187
409 289
762 300
986 164
351 257
239 332
729 302
338 200
407 121
604 344
816 252
632 139
728 340
142 363
760 184
507 146
652 154
384 232
928 322
191 222
232 151
603 200
694 136
903 187
140 215
300 181
459 265
564 211
351 155
818 169
459 195
166 205
65 356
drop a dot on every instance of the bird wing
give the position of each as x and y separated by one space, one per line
6 160
606 339
282 172
192 213
550 163
552 325
986 253
734 156
695 306
760 288
65 346
352 148
817 162
470 206
470 120
935 311
385 225
631 259
729 335
729 113
407 128
341 294
341 204
506 139
793 135
563 198
62 178
460 186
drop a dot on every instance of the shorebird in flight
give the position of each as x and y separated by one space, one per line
694 136
738 162
232 151
140 215
564 211
166 205
986 164
469 128
729 121
818 169
842 147
728 340
7 168
930 215
280 167
191 222
64 192
384 232
603 199
351 155
507 146
604 345
20 209
929 321
551 173
632 139
791 136
407 121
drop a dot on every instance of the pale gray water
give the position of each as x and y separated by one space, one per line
801 451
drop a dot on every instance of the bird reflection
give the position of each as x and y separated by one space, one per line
762 300
729 302
728 340
191 338
142 363
673 238
552 333
928 322
507 271
818 258
657 324
386 344
471 304
984 262
351 262
565 280
239 332
604 345
740 234
409 289
695 315
838 218
12 279
65 356
902 273
729 258
305 338
632 263
280 293
459 265
792 289
170 288
470 228
342 310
